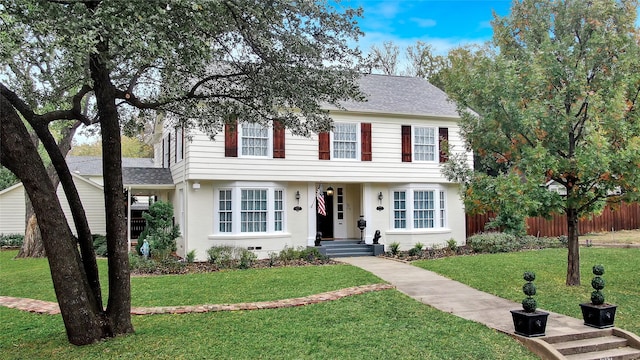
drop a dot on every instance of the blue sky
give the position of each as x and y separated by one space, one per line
442 23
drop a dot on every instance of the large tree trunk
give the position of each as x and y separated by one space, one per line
82 314
573 257
32 246
119 303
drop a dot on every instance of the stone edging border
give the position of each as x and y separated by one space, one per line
51 308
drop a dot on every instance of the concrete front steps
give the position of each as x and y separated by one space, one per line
345 248
610 344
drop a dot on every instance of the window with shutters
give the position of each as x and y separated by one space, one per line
419 208
424 144
345 141
255 140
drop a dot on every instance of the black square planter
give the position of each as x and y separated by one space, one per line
529 324
598 316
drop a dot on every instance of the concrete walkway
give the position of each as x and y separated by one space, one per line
458 299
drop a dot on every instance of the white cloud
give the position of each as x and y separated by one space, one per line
423 23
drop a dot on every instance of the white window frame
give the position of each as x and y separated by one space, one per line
235 190
439 209
242 139
357 142
430 157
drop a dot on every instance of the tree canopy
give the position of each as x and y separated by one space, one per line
554 100
117 63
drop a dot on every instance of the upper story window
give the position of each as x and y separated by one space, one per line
246 139
419 209
424 144
421 143
166 151
254 140
345 141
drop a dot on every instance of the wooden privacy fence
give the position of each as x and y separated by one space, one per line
625 216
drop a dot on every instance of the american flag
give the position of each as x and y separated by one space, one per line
320 199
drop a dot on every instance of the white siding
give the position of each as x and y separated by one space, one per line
12 210
12 207
207 160
92 198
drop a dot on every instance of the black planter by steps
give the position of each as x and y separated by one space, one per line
529 324
598 316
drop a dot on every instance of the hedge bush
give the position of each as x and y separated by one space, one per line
11 240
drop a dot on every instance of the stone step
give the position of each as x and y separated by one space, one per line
582 346
622 353
590 334
345 248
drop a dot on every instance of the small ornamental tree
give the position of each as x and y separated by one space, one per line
597 297
529 304
160 231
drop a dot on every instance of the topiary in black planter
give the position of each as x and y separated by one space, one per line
598 314
529 322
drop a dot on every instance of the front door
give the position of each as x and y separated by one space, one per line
324 223
340 226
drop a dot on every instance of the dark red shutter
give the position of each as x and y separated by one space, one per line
278 140
169 149
406 143
175 140
164 161
443 144
231 139
324 147
365 141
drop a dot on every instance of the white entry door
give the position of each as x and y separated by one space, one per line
340 213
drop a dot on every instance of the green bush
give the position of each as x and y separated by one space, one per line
289 254
230 257
394 248
139 264
495 242
416 249
100 244
452 244
191 256
11 240
160 231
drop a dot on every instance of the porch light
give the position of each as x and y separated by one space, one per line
380 197
329 191
196 186
297 207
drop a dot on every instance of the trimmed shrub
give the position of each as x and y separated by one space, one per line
100 244
231 257
11 240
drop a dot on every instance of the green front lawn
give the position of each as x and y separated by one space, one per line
501 275
379 325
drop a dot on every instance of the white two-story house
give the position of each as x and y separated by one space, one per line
262 188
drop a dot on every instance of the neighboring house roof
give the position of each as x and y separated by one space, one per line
402 95
92 165
146 176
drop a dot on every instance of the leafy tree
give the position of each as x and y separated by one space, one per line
160 231
424 63
131 147
385 58
7 178
556 101
200 63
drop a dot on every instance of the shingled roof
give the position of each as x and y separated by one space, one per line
92 165
135 171
402 95
146 176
